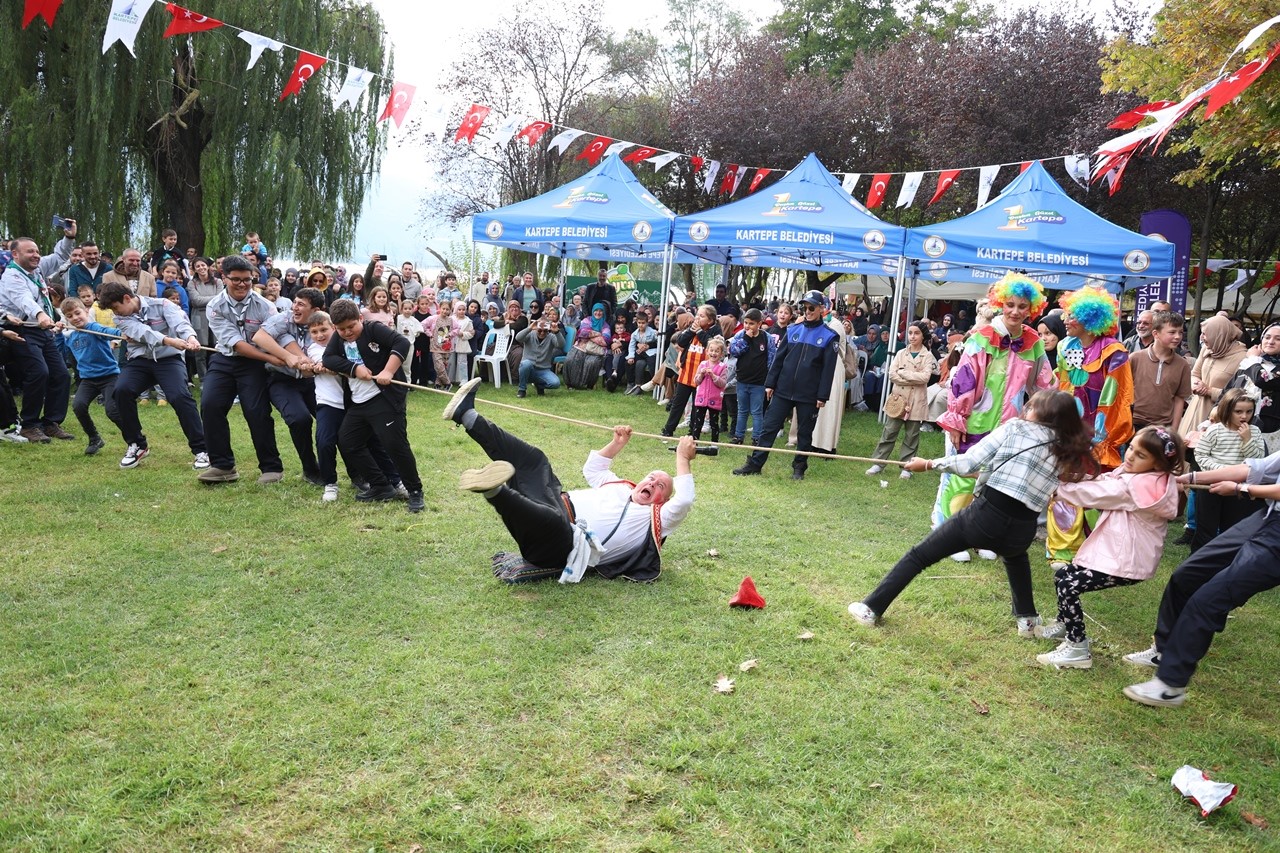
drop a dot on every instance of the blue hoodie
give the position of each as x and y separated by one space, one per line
94 357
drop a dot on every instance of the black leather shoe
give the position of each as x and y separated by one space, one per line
746 471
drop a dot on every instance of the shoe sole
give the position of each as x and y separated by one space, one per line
458 396
489 477
220 478
1154 702
1074 664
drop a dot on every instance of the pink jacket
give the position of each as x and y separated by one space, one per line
1129 537
710 391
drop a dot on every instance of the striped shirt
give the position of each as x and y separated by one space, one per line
1015 459
1220 447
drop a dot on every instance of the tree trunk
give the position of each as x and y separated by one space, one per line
175 144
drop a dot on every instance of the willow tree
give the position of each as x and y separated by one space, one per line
185 136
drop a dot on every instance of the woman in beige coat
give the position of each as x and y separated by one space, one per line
1220 355
909 372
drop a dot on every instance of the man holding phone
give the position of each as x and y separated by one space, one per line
24 297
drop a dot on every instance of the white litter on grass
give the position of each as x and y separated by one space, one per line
884 484
1194 784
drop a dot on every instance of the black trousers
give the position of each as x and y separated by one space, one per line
1224 574
295 400
228 378
378 418
806 420
1218 513
530 504
170 373
995 522
679 399
86 392
46 383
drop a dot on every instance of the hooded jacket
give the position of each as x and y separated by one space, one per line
1129 537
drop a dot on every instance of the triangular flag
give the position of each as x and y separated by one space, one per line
1233 85
759 176
710 180
503 133
850 182
434 119
986 180
47 9
533 131
303 70
747 596
123 22
726 182
946 178
595 150
398 102
257 44
617 148
641 153
1077 166
1252 36
1026 164
471 123
1113 171
358 79
910 186
662 160
1135 116
739 174
879 185
185 21
697 163
564 139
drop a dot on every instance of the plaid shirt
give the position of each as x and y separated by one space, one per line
1014 459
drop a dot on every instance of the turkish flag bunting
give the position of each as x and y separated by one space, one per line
879 183
760 175
533 132
1275 279
595 150
1112 169
471 123
1232 85
400 101
305 68
726 183
697 162
945 180
1135 116
1026 164
47 9
639 155
185 21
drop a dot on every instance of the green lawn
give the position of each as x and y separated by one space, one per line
246 668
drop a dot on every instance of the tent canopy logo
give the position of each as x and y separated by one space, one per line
782 205
493 230
578 195
1020 219
642 231
1137 261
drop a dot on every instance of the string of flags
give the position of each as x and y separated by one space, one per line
725 179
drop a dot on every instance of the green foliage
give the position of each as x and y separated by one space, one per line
183 135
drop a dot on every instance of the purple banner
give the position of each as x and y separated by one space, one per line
1170 226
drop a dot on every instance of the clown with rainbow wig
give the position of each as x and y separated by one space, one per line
1002 365
1094 366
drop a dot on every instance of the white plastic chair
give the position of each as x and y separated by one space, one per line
497 359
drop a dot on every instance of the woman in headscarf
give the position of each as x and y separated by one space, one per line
1052 330
1221 353
1259 377
582 367
945 328
859 322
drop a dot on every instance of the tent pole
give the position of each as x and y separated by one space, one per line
898 283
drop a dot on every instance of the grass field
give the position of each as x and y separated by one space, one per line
246 668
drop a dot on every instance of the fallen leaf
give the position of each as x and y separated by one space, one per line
219 549
724 684
875 785
748 665
713 553
981 707
1255 820
807 635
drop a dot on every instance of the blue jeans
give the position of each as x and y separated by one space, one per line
540 376
750 402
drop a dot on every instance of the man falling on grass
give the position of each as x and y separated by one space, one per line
615 527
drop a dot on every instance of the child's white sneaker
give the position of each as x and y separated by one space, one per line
1054 630
987 555
863 614
1027 625
330 493
961 556
1147 657
874 469
905 475
1068 655
1156 693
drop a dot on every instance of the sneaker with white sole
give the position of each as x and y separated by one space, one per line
987 555
864 614
1054 630
489 477
330 494
1027 625
11 434
1156 694
1148 657
463 400
904 474
402 491
200 462
133 455
961 556
1068 655
874 469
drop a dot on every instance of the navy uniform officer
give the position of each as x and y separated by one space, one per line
799 378
238 368
291 388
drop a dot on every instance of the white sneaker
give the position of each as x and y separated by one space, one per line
11 434
200 462
1027 625
330 493
1156 693
133 456
987 555
1054 630
961 556
874 469
1148 657
647 387
1068 655
906 475
863 614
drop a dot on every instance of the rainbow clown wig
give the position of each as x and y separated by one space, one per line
1016 285
1094 309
